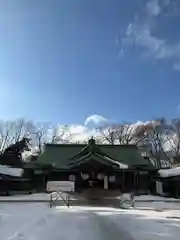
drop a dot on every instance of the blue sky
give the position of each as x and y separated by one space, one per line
65 60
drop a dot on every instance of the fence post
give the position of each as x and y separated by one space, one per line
51 200
68 200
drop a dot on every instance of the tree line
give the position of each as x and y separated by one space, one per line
158 139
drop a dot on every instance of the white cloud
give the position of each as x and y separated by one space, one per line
72 132
77 129
153 7
95 121
178 106
177 66
140 33
79 133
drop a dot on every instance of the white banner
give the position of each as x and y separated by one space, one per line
54 186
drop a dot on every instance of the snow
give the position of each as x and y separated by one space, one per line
31 197
45 196
169 172
155 198
141 202
36 221
121 165
149 202
39 197
148 198
7 170
145 198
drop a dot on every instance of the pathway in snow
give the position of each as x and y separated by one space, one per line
38 222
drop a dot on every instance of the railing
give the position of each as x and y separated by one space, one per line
66 200
61 189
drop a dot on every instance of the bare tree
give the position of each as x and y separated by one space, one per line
107 134
173 138
61 134
13 131
47 133
153 139
4 135
98 139
126 134
38 137
123 134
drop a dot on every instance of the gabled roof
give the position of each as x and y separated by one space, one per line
93 151
96 158
65 156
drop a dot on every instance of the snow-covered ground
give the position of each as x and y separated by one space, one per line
44 197
157 203
146 202
36 221
8 170
31 197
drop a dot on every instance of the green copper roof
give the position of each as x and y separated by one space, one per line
63 156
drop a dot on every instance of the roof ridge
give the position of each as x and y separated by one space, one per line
83 145
101 160
80 158
109 159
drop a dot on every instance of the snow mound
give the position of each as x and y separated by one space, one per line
169 172
149 198
7 170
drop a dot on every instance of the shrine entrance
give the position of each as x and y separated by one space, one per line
94 180
93 174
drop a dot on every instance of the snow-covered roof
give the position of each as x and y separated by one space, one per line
170 172
121 165
7 170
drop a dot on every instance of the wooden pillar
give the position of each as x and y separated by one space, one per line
105 182
135 180
123 184
159 188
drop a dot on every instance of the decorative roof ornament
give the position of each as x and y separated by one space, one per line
92 141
